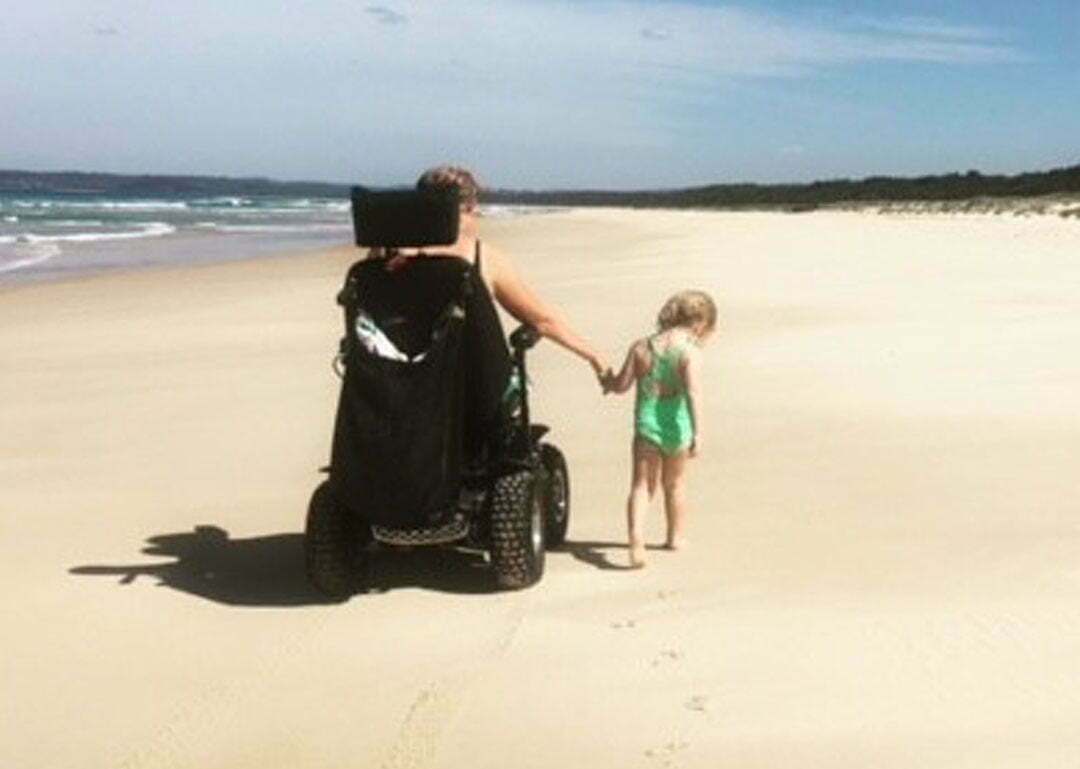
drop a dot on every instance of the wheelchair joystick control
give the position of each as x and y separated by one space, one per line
524 337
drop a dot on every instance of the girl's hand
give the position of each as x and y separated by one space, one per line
631 368
606 379
695 446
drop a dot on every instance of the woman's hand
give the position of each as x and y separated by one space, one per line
603 374
607 380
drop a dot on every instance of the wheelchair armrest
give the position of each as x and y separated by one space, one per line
524 337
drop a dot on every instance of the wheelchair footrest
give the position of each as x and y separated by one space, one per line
453 530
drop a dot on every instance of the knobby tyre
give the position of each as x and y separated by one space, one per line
557 512
333 546
517 530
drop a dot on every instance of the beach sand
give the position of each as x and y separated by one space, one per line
884 567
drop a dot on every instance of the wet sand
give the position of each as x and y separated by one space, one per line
885 559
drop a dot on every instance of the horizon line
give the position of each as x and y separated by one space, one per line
539 190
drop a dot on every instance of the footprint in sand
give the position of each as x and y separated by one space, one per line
626 623
699 703
667 754
667 655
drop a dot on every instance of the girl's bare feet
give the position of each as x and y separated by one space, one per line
675 544
637 555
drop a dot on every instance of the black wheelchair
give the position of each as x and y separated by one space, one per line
433 439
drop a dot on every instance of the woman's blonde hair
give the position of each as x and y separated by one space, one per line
687 308
457 177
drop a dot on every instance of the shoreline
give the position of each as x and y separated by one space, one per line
1065 207
18 277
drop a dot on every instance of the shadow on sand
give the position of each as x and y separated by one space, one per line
595 553
269 570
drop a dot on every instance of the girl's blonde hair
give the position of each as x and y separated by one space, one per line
687 308
457 177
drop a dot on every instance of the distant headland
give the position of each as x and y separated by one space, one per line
969 186
82 183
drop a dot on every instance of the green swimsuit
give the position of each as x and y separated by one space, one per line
662 409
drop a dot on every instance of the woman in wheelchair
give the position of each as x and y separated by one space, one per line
433 442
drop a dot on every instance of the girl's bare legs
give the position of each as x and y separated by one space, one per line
646 473
674 468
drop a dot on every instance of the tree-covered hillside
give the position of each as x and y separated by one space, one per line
879 188
77 182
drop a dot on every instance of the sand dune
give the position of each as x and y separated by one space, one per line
1065 205
884 567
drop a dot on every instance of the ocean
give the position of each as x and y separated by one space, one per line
53 235
48 236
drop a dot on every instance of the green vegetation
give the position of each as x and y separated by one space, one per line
806 197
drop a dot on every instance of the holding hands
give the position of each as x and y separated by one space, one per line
600 369
606 380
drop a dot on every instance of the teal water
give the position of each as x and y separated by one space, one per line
45 236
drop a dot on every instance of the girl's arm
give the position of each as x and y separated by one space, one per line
518 299
631 370
691 372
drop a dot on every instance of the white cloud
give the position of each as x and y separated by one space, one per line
604 77
926 27
523 38
386 15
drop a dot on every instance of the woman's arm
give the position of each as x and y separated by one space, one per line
518 299
691 372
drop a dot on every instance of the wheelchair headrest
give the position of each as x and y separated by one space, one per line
402 218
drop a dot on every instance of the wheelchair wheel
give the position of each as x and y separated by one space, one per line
517 530
333 545
557 517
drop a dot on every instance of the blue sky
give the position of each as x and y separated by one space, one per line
542 93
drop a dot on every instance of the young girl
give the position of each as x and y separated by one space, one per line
668 411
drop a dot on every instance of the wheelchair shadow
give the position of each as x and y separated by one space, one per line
269 570
595 553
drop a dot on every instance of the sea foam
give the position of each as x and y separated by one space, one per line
26 255
147 230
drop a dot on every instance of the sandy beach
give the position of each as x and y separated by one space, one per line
884 567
